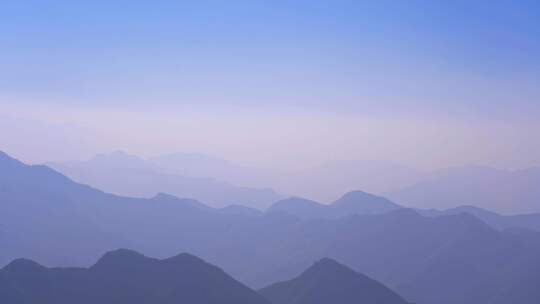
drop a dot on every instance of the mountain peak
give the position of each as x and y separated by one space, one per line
328 281
300 207
186 258
125 276
120 257
23 266
326 265
120 159
297 201
327 268
360 202
357 196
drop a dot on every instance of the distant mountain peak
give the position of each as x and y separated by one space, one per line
184 258
357 196
354 202
325 265
360 202
120 257
23 266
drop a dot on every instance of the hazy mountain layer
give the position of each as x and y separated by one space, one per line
355 202
124 174
452 259
503 191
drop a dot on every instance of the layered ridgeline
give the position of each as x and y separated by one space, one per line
327 281
124 276
503 191
124 174
355 202
362 203
496 220
446 259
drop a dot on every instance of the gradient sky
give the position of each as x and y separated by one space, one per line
425 83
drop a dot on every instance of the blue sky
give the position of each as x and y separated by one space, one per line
416 60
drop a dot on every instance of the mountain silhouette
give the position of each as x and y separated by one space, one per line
124 174
355 202
124 276
504 191
496 220
445 259
326 182
202 165
300 207
327 281
359 202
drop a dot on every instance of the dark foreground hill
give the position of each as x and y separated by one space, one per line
122 277
327 281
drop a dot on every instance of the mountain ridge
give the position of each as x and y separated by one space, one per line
124 276
328 281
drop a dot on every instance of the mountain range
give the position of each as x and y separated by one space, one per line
124 276
354 202
504 191
219 182
446 259
495 220
124 174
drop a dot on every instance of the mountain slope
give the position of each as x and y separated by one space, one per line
326 182
498 221
201 165
355 202
124 276
327 281
508 192
124 174
47 217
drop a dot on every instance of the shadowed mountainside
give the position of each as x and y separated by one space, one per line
124 276
327 281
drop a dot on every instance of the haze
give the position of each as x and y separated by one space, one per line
286 86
